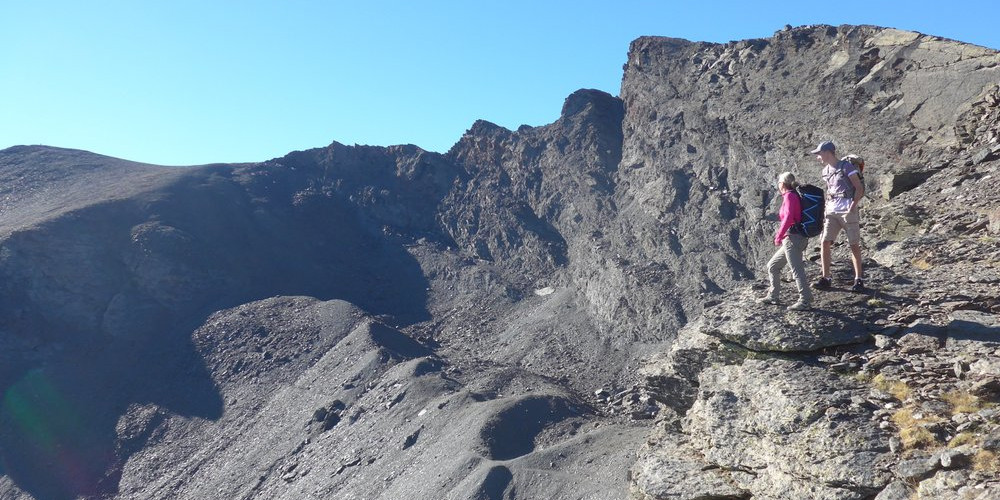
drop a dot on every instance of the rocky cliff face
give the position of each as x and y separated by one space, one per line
709 126
786 407
507 319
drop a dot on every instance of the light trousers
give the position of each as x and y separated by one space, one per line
790 252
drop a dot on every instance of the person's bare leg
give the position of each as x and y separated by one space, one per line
824 258
856 258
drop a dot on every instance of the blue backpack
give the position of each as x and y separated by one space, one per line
811 200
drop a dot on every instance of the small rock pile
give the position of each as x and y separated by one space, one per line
635 403
978 129
326 417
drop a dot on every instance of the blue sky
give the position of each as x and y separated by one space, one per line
185 82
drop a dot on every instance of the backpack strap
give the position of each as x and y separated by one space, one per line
842 166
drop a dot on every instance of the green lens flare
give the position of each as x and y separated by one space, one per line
48 426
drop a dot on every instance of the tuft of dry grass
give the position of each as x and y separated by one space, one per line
962 402
913 431
963 438
876 302
986 461
896 388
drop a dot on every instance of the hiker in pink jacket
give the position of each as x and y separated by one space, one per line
791 245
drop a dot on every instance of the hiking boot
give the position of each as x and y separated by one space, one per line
822 284
799 306
768 300
859 286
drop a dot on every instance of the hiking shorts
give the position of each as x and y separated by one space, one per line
850 222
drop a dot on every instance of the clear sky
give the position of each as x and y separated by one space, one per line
184 82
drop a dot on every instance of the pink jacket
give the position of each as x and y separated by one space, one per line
790 214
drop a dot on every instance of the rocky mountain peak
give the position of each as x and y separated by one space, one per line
585 99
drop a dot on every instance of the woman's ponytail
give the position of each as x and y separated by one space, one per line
788 179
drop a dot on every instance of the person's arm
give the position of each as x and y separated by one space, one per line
859 189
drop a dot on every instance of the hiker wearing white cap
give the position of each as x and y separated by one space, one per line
844 190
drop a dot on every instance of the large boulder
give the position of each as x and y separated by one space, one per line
786 429
670 470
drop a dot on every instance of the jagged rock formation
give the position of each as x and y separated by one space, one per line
367 322
708 126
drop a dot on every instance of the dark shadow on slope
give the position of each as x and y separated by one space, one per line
57 444
395 342
973 330
102 291
495 483
511 432
271 236
58 422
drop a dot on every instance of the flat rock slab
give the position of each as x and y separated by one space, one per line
837 319
976 326
800 429
670 473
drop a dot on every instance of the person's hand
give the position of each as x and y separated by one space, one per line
777 242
